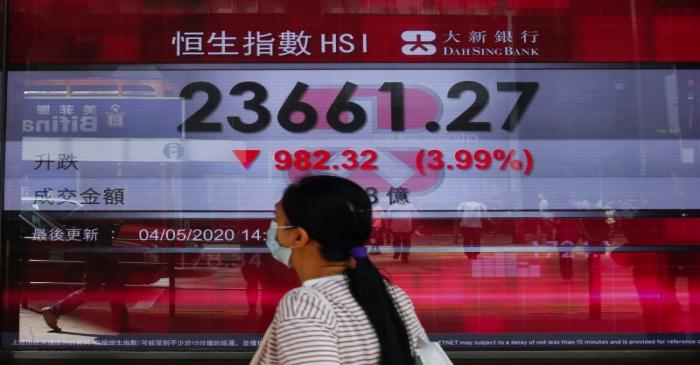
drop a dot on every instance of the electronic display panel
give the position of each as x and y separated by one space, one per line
524 197
182 177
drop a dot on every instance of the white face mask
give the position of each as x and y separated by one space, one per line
279 252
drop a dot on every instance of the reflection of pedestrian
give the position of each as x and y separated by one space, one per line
379 231
401 227
595 231
654 274
566 259
252 274
470 226
101 267
570 235
546 229
688 264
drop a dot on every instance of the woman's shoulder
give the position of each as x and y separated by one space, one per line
305 303
408 313
401 299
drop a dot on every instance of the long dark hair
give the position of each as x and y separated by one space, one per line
337 213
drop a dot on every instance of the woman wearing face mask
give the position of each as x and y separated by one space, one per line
345 312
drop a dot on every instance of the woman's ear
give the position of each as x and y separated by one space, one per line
301 238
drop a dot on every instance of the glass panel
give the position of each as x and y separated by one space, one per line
533 172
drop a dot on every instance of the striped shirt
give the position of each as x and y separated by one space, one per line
332 329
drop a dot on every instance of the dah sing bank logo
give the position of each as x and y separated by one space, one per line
418 43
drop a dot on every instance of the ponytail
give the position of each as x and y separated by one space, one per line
369 288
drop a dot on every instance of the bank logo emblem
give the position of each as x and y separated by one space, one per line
115 117
173 151
418 43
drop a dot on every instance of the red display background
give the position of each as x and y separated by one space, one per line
609 291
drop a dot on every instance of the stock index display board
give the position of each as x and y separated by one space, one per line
529 192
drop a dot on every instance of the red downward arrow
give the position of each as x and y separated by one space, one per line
247 157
